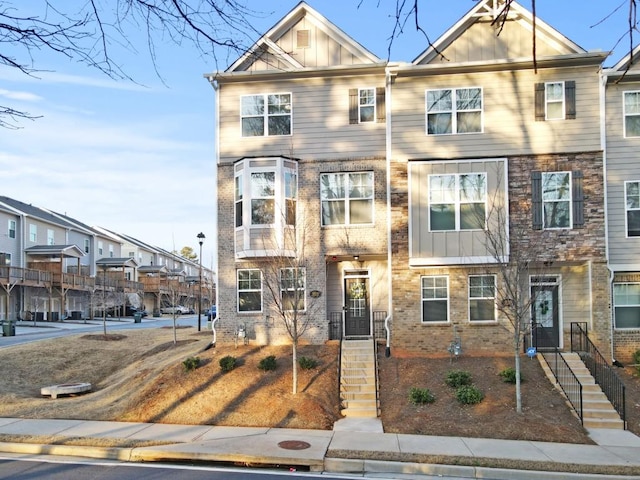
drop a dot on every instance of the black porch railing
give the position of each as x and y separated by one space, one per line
335 325
565 378
602 372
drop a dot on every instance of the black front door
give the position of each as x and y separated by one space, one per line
546 316
357 316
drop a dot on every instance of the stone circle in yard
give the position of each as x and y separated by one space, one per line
65 389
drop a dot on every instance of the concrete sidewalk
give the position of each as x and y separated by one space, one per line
312 448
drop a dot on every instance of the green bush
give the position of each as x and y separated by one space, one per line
509 375
267 363
307 363
191 363
228 363
636 360
469 394
458 378
419 396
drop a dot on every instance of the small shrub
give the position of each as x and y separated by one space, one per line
267 363
191 363
509 375
307 363
469 395
458 378
227 363
419 396
636 360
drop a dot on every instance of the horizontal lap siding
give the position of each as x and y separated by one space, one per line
320 120
508 116
623 164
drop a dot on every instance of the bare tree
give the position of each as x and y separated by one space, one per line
285 274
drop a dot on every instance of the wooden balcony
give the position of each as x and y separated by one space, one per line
25 277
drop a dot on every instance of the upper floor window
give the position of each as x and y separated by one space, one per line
291 197
5 259
367 105
86 245
557 200
455 110
33 233
457 201
11 229
632 207
435 298
249 290
110 251
238 199
266 114
100 248
555 100
292 288
263 198
482 298
626 303
347 198
51 237
631 107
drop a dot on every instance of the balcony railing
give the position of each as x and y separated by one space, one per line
15 275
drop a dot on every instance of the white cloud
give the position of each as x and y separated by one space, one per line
18 95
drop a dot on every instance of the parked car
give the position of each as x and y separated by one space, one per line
212 312
177 309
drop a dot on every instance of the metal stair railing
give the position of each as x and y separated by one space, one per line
567 380
603 373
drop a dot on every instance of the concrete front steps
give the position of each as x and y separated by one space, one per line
597 411
358 386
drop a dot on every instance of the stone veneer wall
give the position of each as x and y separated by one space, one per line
585 245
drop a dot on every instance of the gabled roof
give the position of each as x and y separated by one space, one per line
35 212
109 262
152 269
65 251
268 43
627 65
486 11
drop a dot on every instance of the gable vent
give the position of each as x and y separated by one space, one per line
303 39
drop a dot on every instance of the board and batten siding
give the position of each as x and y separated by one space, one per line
623 164
320 121
453 247
509 125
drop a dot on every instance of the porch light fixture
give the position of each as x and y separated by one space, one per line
356 257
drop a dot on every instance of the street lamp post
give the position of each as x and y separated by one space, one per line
200 242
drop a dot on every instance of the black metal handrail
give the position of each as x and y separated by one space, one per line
565 377
603 373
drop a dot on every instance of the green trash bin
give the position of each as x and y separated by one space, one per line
137 317
8 329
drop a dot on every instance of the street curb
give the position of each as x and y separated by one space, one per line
104 453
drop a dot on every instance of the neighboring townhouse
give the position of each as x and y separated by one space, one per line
622 136
396 171
301 154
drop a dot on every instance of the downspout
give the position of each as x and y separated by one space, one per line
603 147
216 139
388 144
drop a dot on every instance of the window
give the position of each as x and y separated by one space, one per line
263 198
238 200
12 229
100 248
631 108
292 288
632 206
291 197
555 101
5 259
86 245
557 200
482 298
51 240
626 302
347 198
33 233
249 290
457 110
435 299
266 115
367 105
457 201
110 251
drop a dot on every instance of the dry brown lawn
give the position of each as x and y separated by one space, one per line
138 376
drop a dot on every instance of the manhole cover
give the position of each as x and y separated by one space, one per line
294 445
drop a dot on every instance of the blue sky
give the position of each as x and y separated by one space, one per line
138 158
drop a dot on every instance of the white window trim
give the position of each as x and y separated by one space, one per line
457 203
624 113
346 201
303 289
422 300
613 302
547 101
627 209
570 200
453 111
273 197
265 115
249 312
11 227
374 105
33 233
494 298
51 236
